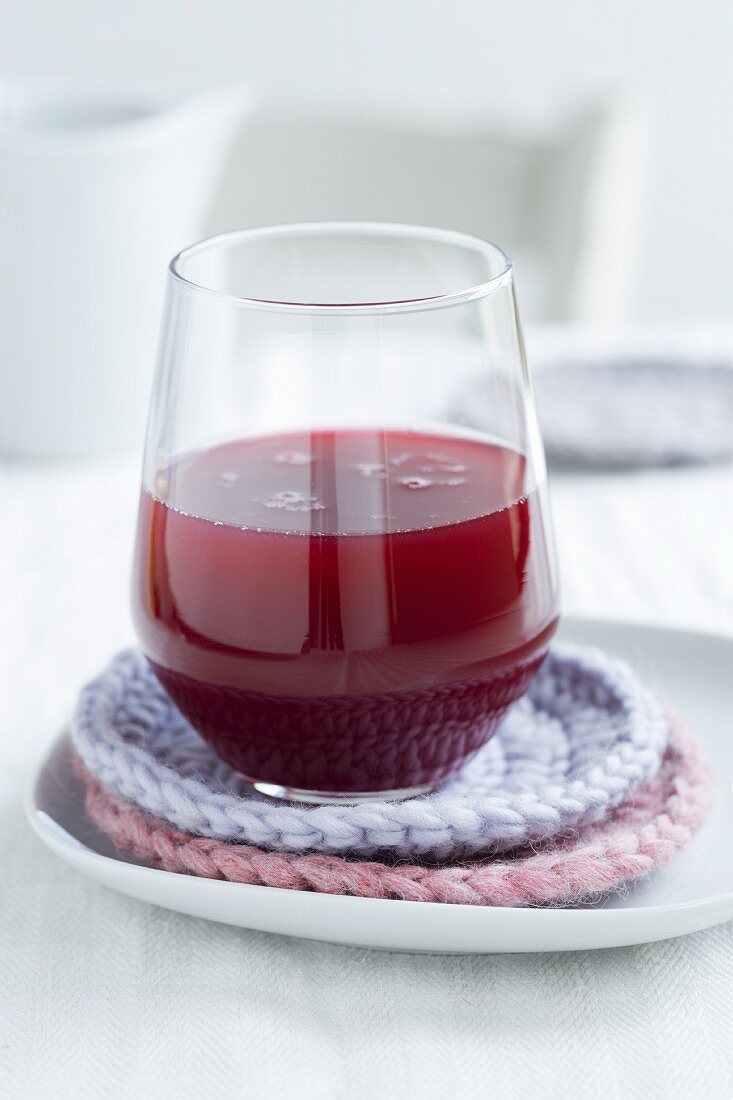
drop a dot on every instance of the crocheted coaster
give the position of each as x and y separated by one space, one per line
636 412
643 832
585 736
625 412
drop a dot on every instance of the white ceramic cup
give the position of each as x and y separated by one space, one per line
99 188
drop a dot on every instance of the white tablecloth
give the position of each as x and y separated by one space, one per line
103 996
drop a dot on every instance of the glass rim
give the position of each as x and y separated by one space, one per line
365 228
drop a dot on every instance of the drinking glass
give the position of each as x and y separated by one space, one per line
340 586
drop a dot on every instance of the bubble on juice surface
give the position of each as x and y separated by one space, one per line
292 501
228 477
293 458
416 482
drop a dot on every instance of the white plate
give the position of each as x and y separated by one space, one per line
692 672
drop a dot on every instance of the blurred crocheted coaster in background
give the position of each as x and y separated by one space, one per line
627 412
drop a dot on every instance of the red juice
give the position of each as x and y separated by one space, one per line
344 611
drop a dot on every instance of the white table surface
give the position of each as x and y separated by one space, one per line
103 996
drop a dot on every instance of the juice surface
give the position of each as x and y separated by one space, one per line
347 610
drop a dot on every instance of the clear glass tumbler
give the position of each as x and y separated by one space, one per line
339 586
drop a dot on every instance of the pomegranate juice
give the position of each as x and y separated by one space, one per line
344 611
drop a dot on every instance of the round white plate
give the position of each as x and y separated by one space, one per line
692 672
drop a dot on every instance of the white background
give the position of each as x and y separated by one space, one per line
457 61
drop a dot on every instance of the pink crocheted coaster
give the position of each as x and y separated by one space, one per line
640 834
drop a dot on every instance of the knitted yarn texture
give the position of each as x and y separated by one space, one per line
603 857
583 739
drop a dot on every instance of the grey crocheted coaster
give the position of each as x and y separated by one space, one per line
644 412
585 736
624 412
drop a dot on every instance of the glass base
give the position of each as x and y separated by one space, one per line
338 798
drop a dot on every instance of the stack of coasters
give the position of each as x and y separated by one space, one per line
587 786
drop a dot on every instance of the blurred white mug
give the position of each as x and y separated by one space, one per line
98 190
